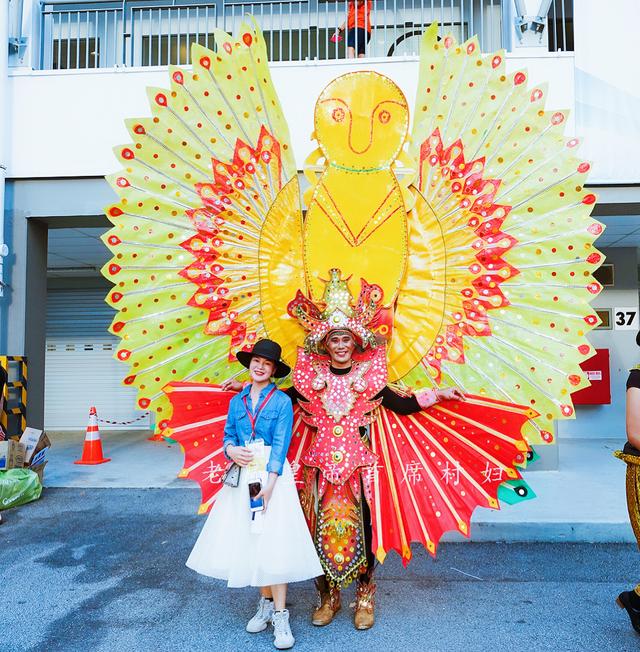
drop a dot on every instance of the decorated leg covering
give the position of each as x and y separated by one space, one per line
367 574
328 602
336 524
631 457
327 592
363 617
340 537
630 600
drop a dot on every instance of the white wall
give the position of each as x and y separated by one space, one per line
607 88
65 123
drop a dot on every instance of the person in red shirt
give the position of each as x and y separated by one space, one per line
358 26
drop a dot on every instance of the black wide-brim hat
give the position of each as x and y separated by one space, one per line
266 349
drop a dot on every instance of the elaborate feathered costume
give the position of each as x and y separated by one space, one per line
466 238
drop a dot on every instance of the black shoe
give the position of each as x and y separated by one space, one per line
624 602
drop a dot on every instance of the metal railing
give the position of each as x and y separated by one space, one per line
560 26
107 33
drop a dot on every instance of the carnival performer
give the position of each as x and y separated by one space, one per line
340 345
266 548
630 600
435 237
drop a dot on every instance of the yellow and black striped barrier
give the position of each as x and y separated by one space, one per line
14 394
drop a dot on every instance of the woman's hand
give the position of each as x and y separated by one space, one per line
239 454
231 385
267 491
450 394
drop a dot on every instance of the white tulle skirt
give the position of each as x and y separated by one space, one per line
229 547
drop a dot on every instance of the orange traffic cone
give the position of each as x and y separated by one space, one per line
92 450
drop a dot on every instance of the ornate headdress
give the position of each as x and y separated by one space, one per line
336 312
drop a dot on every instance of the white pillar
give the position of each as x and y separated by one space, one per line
4 126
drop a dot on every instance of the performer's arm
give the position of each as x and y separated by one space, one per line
421 400
293 394
231 385
397 403
281 438
633 408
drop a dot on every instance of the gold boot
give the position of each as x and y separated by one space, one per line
363 617
328 606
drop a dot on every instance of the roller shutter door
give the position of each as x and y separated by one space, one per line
80 369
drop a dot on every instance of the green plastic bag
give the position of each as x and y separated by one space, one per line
18 486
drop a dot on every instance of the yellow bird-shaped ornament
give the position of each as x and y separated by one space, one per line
357 208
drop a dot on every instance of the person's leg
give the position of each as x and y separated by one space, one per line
279 592
328 597
364 617
328 602
367 575
264 612
361 42
283 638
351 43
630 600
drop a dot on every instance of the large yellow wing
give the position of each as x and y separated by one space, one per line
508 270
197 186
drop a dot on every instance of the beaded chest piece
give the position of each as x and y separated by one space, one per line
337 406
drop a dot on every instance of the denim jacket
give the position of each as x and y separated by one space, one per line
274 424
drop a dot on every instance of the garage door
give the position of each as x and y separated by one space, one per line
80 369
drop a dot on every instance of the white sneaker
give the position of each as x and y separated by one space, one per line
260 621
283 638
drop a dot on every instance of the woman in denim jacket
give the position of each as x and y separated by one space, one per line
267 548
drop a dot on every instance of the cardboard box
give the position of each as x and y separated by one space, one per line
7 454
39 469
11 455
19 456
39 457
34 440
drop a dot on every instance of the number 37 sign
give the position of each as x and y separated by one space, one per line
625 319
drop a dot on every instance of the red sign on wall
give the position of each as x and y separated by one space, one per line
597 372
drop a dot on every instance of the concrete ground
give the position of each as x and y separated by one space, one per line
102 570
583 501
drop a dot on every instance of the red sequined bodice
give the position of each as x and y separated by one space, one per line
337 406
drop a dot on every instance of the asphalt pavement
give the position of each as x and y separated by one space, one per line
583 501
102 570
